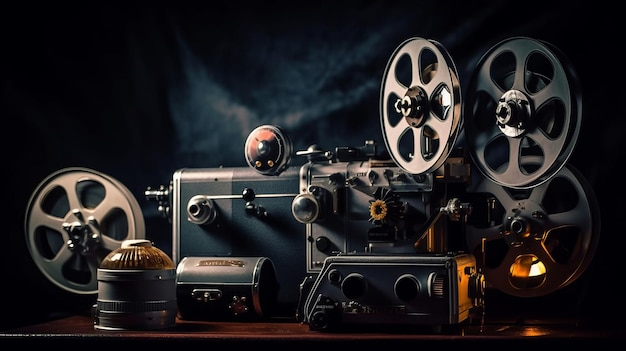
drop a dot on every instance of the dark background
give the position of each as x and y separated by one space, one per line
139 90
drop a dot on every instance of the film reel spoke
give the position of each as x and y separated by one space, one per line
45 220
558 88
420 105
541 239
76 271
67 182
55 264
577 217
484 86
73 219
524 101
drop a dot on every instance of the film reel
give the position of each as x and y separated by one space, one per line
268 150
420 104
74 218
523 100
536 241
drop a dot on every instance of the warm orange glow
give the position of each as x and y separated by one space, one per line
527 271
533 331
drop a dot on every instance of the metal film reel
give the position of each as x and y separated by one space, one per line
523 100
74 218
420 104
538 240
268 150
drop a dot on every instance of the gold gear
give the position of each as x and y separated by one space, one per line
378 210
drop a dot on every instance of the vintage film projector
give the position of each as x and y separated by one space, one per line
396 264
412 234
529 220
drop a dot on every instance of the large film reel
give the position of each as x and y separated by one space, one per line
74 218
535 241
420 103
523 100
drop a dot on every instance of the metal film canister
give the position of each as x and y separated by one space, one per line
218 288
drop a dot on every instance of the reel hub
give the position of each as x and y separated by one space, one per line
518 228
513 113
85 238
413 107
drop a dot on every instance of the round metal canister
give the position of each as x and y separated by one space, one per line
218 288
136 289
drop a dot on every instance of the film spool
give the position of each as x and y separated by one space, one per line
536 240
268 150
420 105
74 218
522 102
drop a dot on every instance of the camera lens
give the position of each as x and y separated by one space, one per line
354 286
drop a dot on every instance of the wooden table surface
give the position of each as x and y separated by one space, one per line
79 330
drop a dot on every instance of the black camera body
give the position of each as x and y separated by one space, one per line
431 290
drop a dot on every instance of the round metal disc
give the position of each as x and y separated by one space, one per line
522 100
420 105
268 150
532 242
74 218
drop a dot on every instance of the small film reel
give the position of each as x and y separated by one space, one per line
522 103
74 219
420 104
268 150
538 240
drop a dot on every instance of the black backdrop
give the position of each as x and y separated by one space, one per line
139 90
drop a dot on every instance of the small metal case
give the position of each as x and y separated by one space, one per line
226 288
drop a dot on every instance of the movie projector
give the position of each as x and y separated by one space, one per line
410 234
